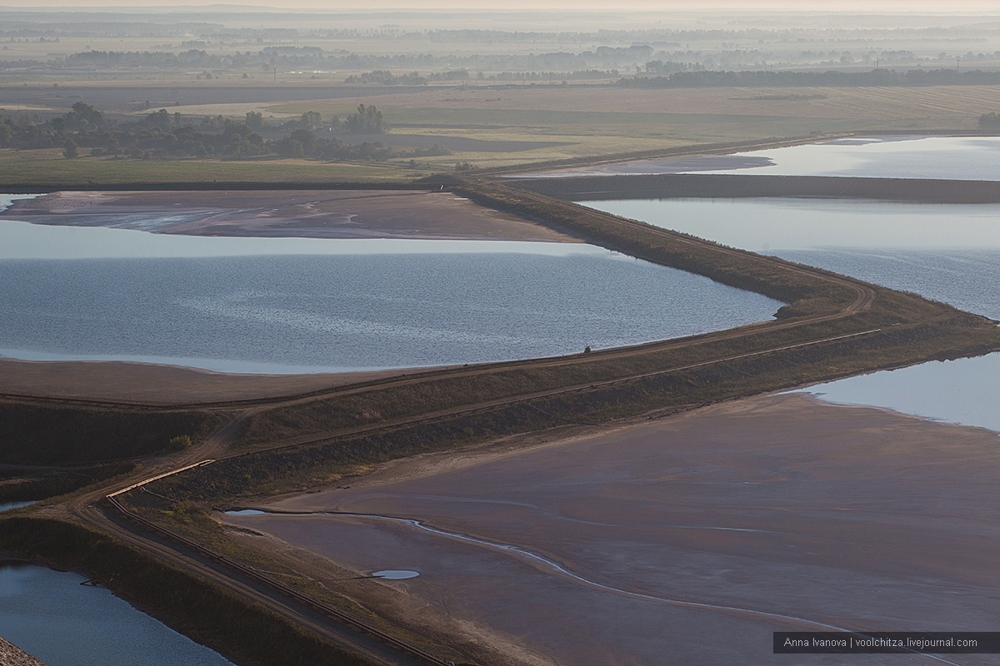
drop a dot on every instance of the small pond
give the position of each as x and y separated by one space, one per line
50 615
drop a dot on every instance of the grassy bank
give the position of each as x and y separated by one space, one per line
670 382
915 190
18 484
54 433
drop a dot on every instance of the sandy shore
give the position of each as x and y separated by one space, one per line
272 214
687 540
307 214
160 384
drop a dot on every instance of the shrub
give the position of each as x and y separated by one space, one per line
180 443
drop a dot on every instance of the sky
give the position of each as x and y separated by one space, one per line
865 6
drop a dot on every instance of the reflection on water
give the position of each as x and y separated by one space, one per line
23 240
805 224
962 278
944 252
947 158
8 506
962 391
395 574
50 615
348 305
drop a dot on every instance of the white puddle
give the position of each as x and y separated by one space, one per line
395 574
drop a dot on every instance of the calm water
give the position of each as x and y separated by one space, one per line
9 506
307 305
52 616
949 253
948 158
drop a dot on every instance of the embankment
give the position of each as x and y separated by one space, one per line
737 186
243 631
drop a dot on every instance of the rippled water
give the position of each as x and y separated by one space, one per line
50 615
949 253
330 305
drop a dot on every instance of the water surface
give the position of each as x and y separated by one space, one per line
949 253
939 157
10 506
943 157
961 391
308 305
50 615
396 574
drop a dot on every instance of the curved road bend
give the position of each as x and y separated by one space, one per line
86 509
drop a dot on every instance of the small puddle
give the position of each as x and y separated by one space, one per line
8 506
395 574
245 512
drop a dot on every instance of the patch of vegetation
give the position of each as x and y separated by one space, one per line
161 135
47 170
990 121
20 485
180 443
54 434
368 120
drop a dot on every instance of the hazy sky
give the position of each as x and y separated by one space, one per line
866 6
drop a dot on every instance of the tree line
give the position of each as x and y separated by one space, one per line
164 135
832 78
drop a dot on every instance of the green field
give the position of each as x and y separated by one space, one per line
49 169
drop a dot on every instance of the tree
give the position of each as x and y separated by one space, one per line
84 112
368 120
305 138
70 151
989 121
310 120
255 120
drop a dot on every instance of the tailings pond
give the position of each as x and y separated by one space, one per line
939 157
52 616
286 305
949 253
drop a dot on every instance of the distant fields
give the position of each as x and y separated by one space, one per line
583 120
48 168
596 120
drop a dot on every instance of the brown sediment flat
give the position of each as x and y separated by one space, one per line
273 214
159 384
11 655
683 541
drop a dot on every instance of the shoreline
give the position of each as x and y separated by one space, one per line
334 214
161 384
721 488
